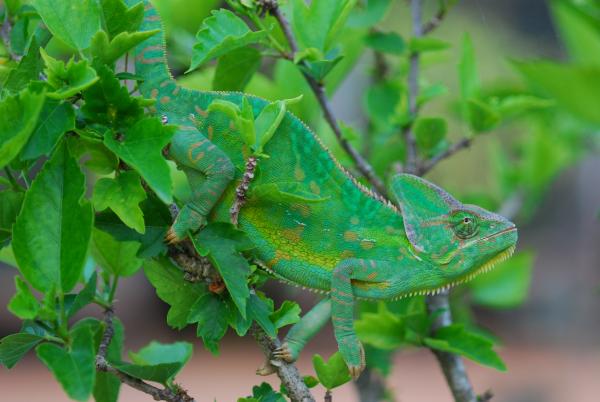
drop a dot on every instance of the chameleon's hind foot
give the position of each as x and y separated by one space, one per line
354 355
284 353
188 220
266 369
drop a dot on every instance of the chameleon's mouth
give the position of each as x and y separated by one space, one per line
486 267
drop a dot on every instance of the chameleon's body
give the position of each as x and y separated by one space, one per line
350 243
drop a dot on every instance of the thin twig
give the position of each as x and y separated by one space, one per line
452 365
319 90
437 19
102 364
328 396
454 148
5 35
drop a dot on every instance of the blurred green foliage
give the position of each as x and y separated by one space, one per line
64 104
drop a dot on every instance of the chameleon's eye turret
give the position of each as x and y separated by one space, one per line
465 225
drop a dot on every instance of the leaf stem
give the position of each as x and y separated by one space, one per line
113 289
16 186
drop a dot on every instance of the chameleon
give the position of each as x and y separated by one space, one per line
348 244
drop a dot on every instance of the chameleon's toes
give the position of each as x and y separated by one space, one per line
284 353
266 369
171 237
355 371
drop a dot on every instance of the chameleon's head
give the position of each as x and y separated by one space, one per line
458 240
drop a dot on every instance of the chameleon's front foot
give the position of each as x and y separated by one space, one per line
354 355
188 220
285 353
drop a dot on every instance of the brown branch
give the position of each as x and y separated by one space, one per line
287 372
452 365
318 89
437 19
454 148
242 189
102 364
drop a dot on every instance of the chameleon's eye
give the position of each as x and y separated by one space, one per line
465 225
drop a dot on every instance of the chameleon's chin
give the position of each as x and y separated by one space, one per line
485 267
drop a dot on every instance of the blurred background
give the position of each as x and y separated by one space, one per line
546 162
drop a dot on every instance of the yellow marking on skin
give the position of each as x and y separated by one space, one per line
370 285
279 255
355 220
200 111
191 150
299 173
154 93
231 125
350 235
314 187
302 209
367 244
165 99
294 235
347 254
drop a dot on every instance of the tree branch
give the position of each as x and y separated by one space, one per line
454 148
102 364
437 19
318 89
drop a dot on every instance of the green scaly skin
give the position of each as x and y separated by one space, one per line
351 244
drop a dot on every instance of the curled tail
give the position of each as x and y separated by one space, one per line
150 55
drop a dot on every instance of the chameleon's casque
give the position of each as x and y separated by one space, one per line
345 241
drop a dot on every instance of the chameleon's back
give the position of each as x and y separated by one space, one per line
344 220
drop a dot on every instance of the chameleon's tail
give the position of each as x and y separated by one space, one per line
150 55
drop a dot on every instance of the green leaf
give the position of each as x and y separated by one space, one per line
260 311
161 372
368 13
73 22
119 18
287 314
220 34
157 354
108 51
157 219
109 103
14 347
28 69
174 290
236 68
264 393
141 148
18 118
316 25
96 156
56 118
85 297
507 285
430 133
383 329
381 101
266 124
517 104
332 373
10 205
50 244
456 339
287 192
583 81
427 44
223 244
23 304
467 74
386 42
74 368
67 79
116 257
482 117
211 313
123 194
579 32
313 62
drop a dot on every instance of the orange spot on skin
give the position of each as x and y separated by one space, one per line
152 18
372 275
154 93
165 83
367 244
299 173
200 111
294 235
176 91
279 255
191 152
354 220
347 254
216 287
302 209
210 130
150 61
165 99
314 187
350 236
231 125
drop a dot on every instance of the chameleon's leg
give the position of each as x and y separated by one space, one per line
209 171
343 291
303 331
